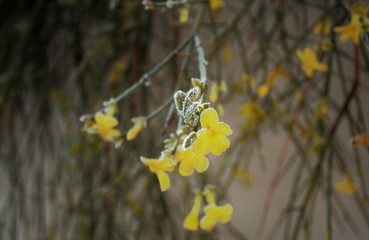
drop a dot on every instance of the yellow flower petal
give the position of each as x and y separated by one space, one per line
207 223
191 221
201 143
190 161
219 144
214 214
105 121
352 30
212 137
139 123
109 135
310 63
164 181
156 165
133 132
159 167
103 125
209 117
186 168
202 164
210 195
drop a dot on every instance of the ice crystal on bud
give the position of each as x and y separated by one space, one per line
191 116
179 98
191 96
203 106
187 106
187 142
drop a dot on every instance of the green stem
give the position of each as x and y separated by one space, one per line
159 109
155 69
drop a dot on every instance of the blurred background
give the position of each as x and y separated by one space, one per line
295 136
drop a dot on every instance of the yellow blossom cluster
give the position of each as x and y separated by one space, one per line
103 123
211 138
212 212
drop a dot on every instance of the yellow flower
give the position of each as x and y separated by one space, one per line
346 186
139 123
215 5
310 62
183 14
213 135
352 30
214 213
190 161
210 195
160 167
105 127
191 221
